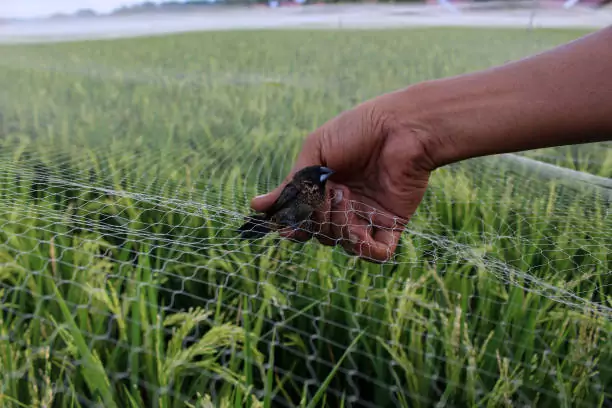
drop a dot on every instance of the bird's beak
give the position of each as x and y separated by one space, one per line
325 173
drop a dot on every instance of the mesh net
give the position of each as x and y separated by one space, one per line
127 165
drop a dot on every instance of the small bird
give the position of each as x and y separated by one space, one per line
295 204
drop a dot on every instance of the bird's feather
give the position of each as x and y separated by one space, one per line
256 226
294 205
287 196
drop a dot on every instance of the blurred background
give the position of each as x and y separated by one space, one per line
101 18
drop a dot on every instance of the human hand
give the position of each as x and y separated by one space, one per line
381 173
384 149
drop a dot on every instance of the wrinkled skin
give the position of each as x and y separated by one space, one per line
381 176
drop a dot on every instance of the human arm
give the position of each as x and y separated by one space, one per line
384 149
559 97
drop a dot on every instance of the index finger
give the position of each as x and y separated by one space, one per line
371 245
371 234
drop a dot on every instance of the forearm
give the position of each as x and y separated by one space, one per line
560 97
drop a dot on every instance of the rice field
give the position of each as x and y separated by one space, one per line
127 165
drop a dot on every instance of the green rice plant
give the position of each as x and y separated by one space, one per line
126 166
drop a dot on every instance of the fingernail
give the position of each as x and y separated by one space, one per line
338 194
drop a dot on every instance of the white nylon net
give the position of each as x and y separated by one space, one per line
126 167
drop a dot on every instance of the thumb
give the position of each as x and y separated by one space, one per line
309 156
264 201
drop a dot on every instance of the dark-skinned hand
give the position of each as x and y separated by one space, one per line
378 183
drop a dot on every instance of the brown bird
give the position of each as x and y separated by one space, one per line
295 204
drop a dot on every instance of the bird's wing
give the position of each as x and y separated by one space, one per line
288 195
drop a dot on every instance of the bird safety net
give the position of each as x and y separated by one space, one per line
126 167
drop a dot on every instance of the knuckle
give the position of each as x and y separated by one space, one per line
326 241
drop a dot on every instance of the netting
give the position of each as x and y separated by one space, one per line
128 165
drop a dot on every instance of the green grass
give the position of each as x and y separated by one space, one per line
125 167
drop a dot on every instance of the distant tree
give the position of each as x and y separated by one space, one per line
59 16
85 13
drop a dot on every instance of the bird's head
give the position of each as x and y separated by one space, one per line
316 175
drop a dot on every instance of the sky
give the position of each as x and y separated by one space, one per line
42 8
